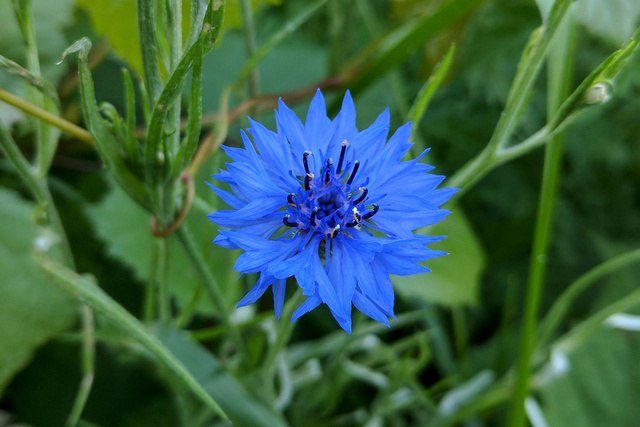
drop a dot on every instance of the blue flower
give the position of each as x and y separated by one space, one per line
331 206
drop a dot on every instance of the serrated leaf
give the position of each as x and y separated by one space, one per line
455 278
32 308
124 227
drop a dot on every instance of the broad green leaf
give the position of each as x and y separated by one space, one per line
51 19
241 408
32 309
116 20
455 278
601 387
124 227
614 21
90 293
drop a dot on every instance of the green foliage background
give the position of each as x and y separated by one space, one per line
451 356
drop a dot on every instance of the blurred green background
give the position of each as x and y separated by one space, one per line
457 336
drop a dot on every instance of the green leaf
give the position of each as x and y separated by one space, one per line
601 387
427 90
90 293
32 310
613 21
387 53
132 243
106 144
51 19
117 21
455 278
238 404
155 166
291 25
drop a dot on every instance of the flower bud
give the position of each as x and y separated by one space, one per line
598 93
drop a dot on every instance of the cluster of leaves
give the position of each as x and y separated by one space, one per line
450 355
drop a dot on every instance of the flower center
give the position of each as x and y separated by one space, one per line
327 204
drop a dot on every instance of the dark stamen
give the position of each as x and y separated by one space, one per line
307 181
371 213
305 162
335 231
356 220
290 201
344 148
361 196
356 165
289 223
312 220
327 175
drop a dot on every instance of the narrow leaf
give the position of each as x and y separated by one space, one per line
106 144
291 26
97 299
387 53
146 28
189 146
429 88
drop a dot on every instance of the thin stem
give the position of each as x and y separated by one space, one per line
37 187
461 338
96 298
471 172
21 165
560 66
45 116
149 301
283 333
88 365
251 46
581 332
45 136
183 318
159 279
38 82
175 51
442 353
563 302
210 284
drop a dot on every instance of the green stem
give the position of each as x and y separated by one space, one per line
88 365
528 68
250 45
44 86
46 136
461 339
21 165
581 332
159 280
147 33
562 303
45 116
283 334
175 51
37 187
211 285
97 299
560 68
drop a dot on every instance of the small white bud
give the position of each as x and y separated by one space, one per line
598 93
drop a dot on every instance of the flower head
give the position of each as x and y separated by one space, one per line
331 206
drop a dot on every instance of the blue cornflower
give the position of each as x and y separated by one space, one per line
330 205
